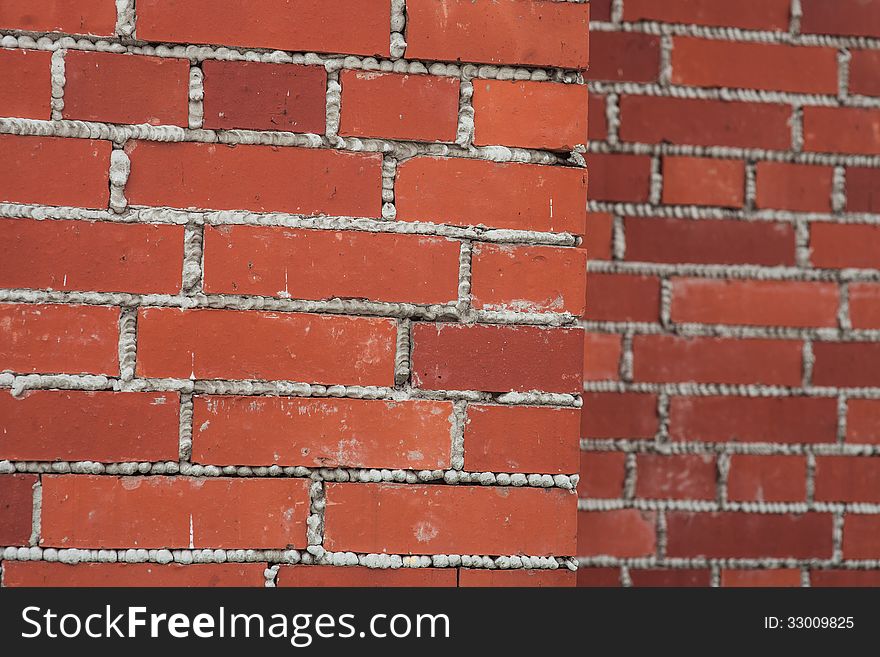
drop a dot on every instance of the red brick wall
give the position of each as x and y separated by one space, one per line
290 291
732 405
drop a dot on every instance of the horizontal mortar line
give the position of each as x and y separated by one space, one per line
718 448
734 153
736 272
693 389
335 306
286 220
18 383
736 94
339 474
674 563
401 149
709 506
196 53
737 34
738 332
708 213
282 557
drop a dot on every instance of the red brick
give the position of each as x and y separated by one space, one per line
395 106
754 302
597 241
842 130
563 577
863 421
263 96
767 478
85 511
622 533
119 88
359 27
623 297
736 535
847 479
499 32
667 240
653 119
315 264
342 576
770 577
16 509
82 17
597 124
416 519
861 536
99 256
845 578
598 577
496 358
862 190
48 573
845 245
602 474
846 17
55 171
59 339
601 356
675 577
846 364
220 177
619 415
221 344
530 114
665 358
539 439
619 177
796 187
769 67
27 84
864 72
625 56
51 425
501 195
703 181
864 305
753 419
323 433
746 14
679 476
528 278
600 10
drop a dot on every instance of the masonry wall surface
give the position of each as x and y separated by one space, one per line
290 291
732 403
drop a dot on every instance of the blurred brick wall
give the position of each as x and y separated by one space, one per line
290 291
732 408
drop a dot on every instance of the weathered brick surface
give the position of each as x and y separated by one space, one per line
280 275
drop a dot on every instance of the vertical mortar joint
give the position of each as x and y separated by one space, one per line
196 96
58 81
120 170
127 343
398 28
126 18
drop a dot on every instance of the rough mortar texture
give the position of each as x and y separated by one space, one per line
264 280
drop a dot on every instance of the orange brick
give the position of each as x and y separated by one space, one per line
530 114
417 519
541 440
528 278
395 106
